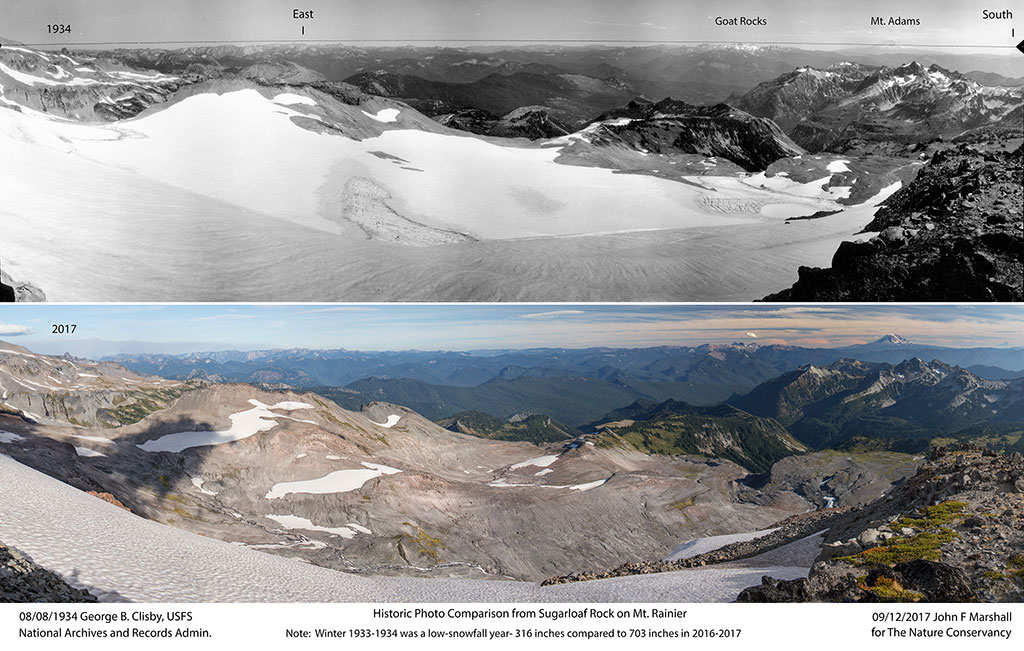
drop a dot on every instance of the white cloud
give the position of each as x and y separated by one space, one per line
346 308
552 314
218 317
14 330
604 24
752 334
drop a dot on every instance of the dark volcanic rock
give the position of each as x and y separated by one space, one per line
936 582
956 233
532 122
471 120
6 293
22 581
671 126
822 586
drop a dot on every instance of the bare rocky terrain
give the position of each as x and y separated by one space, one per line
21 580
77 392
951 533
954 233
385 491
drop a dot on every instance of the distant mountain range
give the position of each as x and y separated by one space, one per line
828 406
825 397
708 364
848 106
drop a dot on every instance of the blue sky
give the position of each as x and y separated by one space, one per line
104 330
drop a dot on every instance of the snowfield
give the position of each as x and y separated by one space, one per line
295 522
119 556
398 213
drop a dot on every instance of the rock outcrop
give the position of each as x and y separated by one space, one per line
952 533
956 233
671 126
22 581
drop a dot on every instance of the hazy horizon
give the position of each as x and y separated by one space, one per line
798 22
176 329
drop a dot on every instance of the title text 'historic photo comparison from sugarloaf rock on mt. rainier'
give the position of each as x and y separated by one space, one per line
569 150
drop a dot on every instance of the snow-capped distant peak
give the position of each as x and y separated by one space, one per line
894 340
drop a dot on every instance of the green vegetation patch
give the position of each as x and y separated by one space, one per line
724 432
889 590
922 545
427 544
133 407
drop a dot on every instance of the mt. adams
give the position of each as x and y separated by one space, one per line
216 193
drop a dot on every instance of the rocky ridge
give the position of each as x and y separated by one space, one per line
531 122
672 126
78 86
953 532
956 233
849 107
77 392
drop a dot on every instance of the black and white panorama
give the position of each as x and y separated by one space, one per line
335 171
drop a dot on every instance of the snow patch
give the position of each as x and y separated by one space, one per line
341 481
588 486
390 422
541 462
384 115
10 437
88 452
295 522
243 425
198 483
289 99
